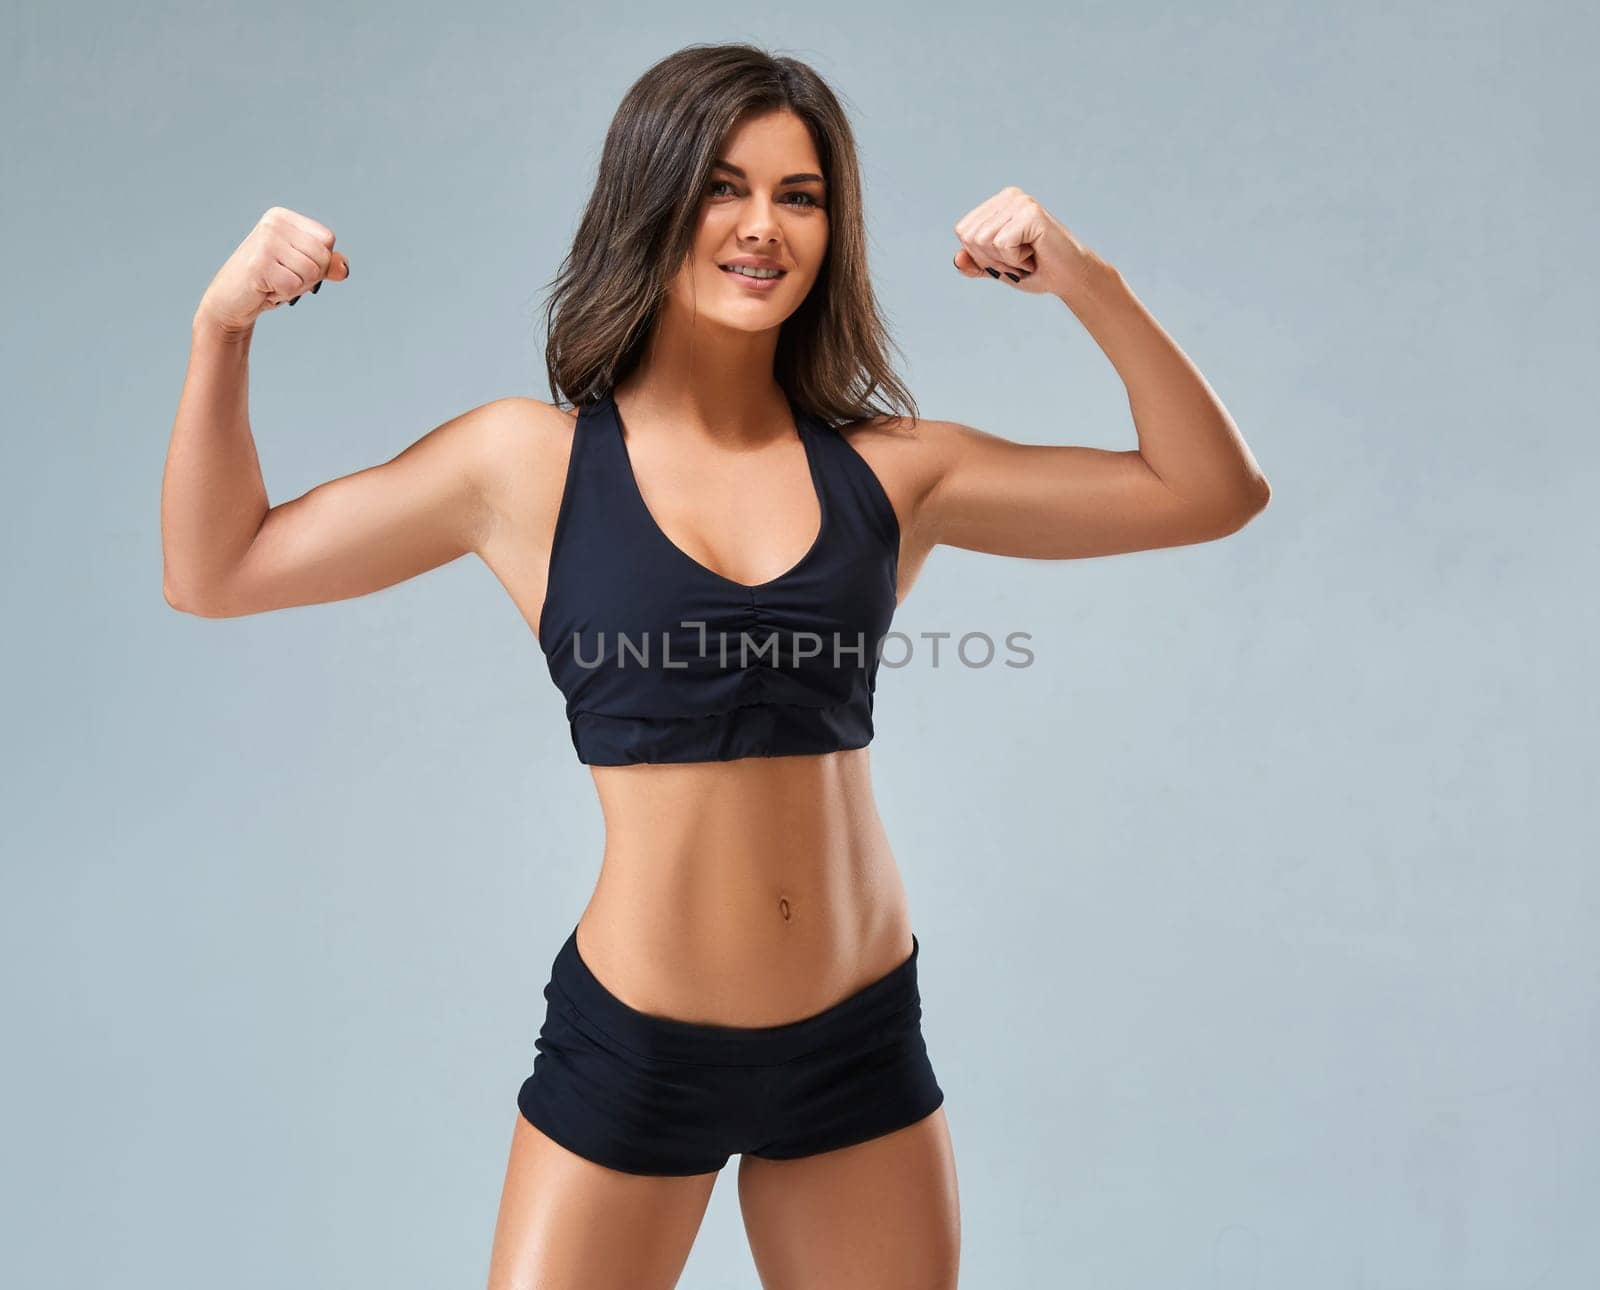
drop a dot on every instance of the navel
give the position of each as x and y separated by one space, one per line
783 907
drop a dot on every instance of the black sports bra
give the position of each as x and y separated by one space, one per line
663 660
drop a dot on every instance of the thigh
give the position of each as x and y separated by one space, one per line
566 1223
878 1215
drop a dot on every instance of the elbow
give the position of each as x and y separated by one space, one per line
1259 494
171 594
1254 500
184 600
1223 520
177 600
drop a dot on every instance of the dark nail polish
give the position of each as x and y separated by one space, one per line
296 298
1013 276
992 273
317 288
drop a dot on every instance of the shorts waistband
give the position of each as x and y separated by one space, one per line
876 1005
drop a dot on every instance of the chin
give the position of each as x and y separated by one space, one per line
744 323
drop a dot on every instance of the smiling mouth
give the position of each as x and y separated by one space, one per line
758 275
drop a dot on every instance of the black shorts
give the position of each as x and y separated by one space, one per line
655 1095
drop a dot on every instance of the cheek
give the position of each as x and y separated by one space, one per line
816 241
716 230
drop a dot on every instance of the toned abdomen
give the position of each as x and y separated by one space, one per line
744 893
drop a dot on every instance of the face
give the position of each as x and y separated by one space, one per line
765 199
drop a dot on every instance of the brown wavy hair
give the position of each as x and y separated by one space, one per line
640 221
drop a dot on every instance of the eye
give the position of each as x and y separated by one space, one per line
806 198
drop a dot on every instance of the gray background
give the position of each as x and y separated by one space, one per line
1257 925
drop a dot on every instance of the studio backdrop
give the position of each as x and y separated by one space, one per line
1256 909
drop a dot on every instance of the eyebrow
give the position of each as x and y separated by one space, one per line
807 177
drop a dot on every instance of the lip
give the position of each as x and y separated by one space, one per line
754 262
749 283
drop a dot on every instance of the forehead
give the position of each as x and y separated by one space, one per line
770 145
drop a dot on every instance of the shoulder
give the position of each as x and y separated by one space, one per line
908 456
519 447
913 451
866 429
521 422
913 435
515 435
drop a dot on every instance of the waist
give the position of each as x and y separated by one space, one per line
713 968
743 893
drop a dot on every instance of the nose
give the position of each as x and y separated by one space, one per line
759 221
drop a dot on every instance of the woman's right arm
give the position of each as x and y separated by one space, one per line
225 550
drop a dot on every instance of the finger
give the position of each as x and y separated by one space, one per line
337 268
306 255
302 269
967 266
329 263
1015 260
973 259
309 227
968 225
308 259
1016 256
298 262
281 282
981 257
1000 239
317 285
977 230
985 259
974 266
1007 269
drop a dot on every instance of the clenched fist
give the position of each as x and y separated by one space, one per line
285 255
1012 236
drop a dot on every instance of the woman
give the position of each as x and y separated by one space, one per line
742 980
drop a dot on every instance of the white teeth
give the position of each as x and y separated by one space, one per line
751 272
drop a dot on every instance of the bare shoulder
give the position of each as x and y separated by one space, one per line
912 438
867 429
524 428
518 448
523 441
906 453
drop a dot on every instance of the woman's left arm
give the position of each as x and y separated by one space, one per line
1192 478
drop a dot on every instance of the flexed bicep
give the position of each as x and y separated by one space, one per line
1053 501
375 527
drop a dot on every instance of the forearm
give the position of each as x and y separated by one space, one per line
1185 433
213 499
